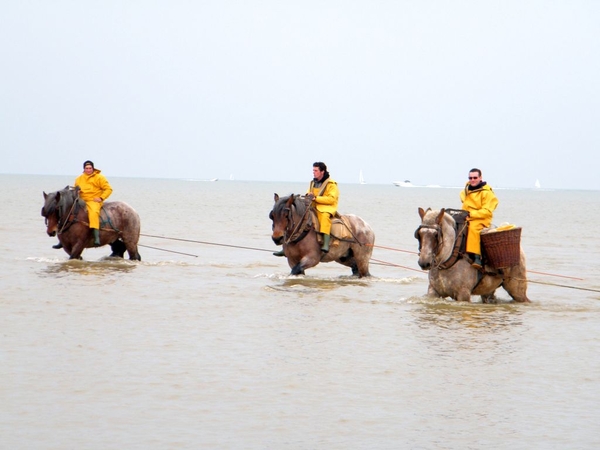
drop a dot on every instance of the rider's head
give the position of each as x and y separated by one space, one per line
319 170
88 167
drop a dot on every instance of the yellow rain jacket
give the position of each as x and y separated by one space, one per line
92 186
481 204
325 202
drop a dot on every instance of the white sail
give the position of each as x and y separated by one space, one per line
361 179
537 184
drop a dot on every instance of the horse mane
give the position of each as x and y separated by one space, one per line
448 226
69 196
299 204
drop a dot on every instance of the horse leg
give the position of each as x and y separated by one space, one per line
517 289
118 249
132 250
515 283
463 295
297 270
489 298
76 250
306 262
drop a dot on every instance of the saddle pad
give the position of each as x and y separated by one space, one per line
340 228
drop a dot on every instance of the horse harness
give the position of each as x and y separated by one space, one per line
71 218
294 233
458 250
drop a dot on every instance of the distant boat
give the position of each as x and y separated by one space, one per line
214 179
231 177
537 184
405 183
361 179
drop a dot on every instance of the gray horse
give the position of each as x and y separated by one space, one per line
437 235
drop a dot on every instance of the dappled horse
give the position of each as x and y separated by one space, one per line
352 239
67 217
451 274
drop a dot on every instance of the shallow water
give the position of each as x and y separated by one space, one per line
225 350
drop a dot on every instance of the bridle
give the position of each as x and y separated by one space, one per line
455 255
295 232
64 221
439 238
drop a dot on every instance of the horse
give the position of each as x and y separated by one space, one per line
451 274
352 239
66 216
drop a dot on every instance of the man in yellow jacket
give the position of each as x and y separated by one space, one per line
479 199
324 193
94 190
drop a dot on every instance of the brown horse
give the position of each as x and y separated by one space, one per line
66 216
293 227
452 276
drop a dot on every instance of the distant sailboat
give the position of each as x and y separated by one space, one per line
537 184
231 177
361 179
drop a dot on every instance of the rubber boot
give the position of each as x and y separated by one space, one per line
477 262
279 253
96 237
58 246
325 247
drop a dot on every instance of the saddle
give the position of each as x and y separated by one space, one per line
340 229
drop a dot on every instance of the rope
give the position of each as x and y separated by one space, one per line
393 249
564 285
207 243
389 264
165 250
376 261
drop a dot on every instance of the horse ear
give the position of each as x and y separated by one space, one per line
45 195
421 212
440 216
290 201
276 197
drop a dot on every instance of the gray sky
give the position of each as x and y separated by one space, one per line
419 90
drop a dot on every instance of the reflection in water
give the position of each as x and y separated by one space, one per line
482 318
324 284
467 331
103 267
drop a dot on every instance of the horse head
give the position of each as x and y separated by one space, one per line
57 208
49 212
281 215
436 236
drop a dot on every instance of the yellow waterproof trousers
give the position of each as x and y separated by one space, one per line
94 213
324 222
474 236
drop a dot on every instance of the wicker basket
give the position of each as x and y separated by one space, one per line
502 248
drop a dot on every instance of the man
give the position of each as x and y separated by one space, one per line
94 190
480 201
324 194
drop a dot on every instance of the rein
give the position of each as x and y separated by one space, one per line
455 255
67 223
295 233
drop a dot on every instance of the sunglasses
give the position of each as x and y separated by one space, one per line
473 178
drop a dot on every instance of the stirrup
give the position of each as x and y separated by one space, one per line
476 263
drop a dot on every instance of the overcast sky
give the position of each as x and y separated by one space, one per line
418 90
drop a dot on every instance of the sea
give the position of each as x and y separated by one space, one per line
209 343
